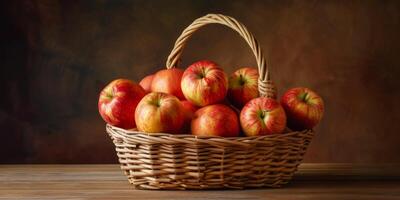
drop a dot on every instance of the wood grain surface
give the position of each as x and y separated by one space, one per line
313 181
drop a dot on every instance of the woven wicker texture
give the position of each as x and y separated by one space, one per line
168 161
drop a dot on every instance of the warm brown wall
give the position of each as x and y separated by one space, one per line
57 55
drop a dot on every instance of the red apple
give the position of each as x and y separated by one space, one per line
168 81
215 120
204 83
118 101
146 83
189 110
262 116
243 86
159 113
303 107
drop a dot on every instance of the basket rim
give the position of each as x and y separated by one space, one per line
283 135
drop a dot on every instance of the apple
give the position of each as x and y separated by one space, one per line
146 83
168 81
243 86
204 83
304 108
159 112
189 110
118 101
215 120
262 116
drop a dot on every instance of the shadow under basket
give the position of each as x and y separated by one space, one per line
173 161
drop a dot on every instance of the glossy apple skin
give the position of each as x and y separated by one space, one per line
146 83
159 113
168 81
262 116
189 110
215 120
304 108
243 86
204 83
118 101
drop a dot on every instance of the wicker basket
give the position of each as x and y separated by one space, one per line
168 161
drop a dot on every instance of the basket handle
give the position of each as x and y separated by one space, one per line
266 87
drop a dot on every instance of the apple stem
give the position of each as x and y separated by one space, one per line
109 95
203 73
304 97
263 113
242 82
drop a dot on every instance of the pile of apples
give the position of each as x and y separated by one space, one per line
203 101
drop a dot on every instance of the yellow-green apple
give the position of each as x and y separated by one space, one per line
243 86
146 83
168 81
204 83
262 116
189 110
118 101
304 108
159 112
215 120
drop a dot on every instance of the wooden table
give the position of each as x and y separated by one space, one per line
313 181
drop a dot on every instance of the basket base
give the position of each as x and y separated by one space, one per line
181 162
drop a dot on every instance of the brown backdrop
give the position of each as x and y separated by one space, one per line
57 55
